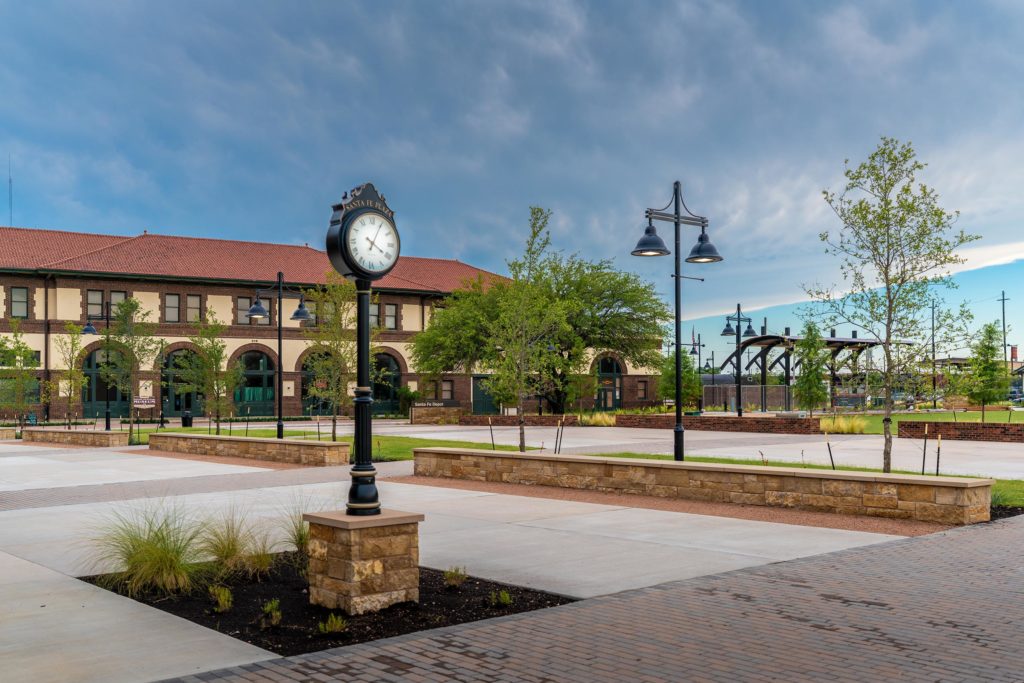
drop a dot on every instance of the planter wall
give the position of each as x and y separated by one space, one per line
513 420
435 416
75 437
7 434
318 453
725 423
963 431
948 500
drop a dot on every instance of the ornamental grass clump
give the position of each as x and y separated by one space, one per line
844 424
222 597
155 549
597 420
259 558
227 543
271 614
335 624
454 577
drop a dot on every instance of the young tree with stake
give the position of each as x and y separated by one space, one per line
810 354
129 345
206 370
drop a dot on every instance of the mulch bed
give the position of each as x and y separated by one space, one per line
1004 511
298 631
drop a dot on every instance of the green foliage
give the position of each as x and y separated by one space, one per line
206 369
19 386
130 347
271 613
335 624
69 354
406 397
501 598
222 598
895 246
454 577
987 378
332 357
809 388
691 379
156 549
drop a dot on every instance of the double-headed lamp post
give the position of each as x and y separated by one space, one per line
702 252
91 329
258 312
747 333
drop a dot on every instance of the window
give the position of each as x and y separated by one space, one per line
641 389
19 302
172 308
244 304
94 303
193 308
390 316
270 312
374 317
116 298
431 390
447 389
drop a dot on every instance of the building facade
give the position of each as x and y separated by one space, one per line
51 277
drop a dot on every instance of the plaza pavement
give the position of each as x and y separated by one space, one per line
62 629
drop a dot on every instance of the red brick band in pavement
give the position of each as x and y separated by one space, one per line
945 607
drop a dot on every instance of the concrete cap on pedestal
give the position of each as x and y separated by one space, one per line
340 520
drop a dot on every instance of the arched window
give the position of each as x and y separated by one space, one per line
95 393
255 396
386 381
175 399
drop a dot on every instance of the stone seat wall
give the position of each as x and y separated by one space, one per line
318 453
75 437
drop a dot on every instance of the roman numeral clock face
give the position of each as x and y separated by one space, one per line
372 242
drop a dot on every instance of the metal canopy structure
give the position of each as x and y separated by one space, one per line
765 344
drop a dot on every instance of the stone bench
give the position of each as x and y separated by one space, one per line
946 500
75 437
317 453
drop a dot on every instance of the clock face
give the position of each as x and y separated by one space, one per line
372 242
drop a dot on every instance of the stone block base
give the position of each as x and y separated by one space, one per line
363 564
313 453
76 437
6 434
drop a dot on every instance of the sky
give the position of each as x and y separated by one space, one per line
247 120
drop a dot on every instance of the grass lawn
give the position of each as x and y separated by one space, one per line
1009 491
385 448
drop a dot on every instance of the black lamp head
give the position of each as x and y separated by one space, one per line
749 332
89 328
728 331
301 313
650 244
703 251
257 312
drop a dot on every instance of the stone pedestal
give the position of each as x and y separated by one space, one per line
363 564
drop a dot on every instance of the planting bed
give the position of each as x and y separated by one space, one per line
1004 511
298 631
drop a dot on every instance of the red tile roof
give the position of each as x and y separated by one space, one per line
202 258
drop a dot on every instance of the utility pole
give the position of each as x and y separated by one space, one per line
1004 300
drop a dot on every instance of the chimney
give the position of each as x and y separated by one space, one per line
832 333
855 334
1013 353
787 331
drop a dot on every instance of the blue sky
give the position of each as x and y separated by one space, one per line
247 120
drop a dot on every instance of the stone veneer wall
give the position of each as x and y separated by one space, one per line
319 453
725 423
76 437
513 420
7 434
435 416
948 500
963 431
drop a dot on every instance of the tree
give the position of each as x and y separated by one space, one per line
605 311
333 353
69 350
896 245
987 379
19 386
691 380
206 370
520 345
809 352
129 345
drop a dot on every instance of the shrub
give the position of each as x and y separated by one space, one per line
227 543
844 424
222 598
597 420
1000 498
271 613
454 577
155 548
501 599
335 624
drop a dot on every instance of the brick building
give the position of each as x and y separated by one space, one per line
49 277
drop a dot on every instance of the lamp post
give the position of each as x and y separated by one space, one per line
695 350
702 252
258 312
738 357
91 329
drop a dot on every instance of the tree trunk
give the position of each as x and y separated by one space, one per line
982 411
522 427
217 420
334 425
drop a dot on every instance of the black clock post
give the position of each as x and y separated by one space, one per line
362 494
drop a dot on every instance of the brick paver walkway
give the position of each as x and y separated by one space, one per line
946 607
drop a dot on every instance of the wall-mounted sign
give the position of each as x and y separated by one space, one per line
144 402
438 403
